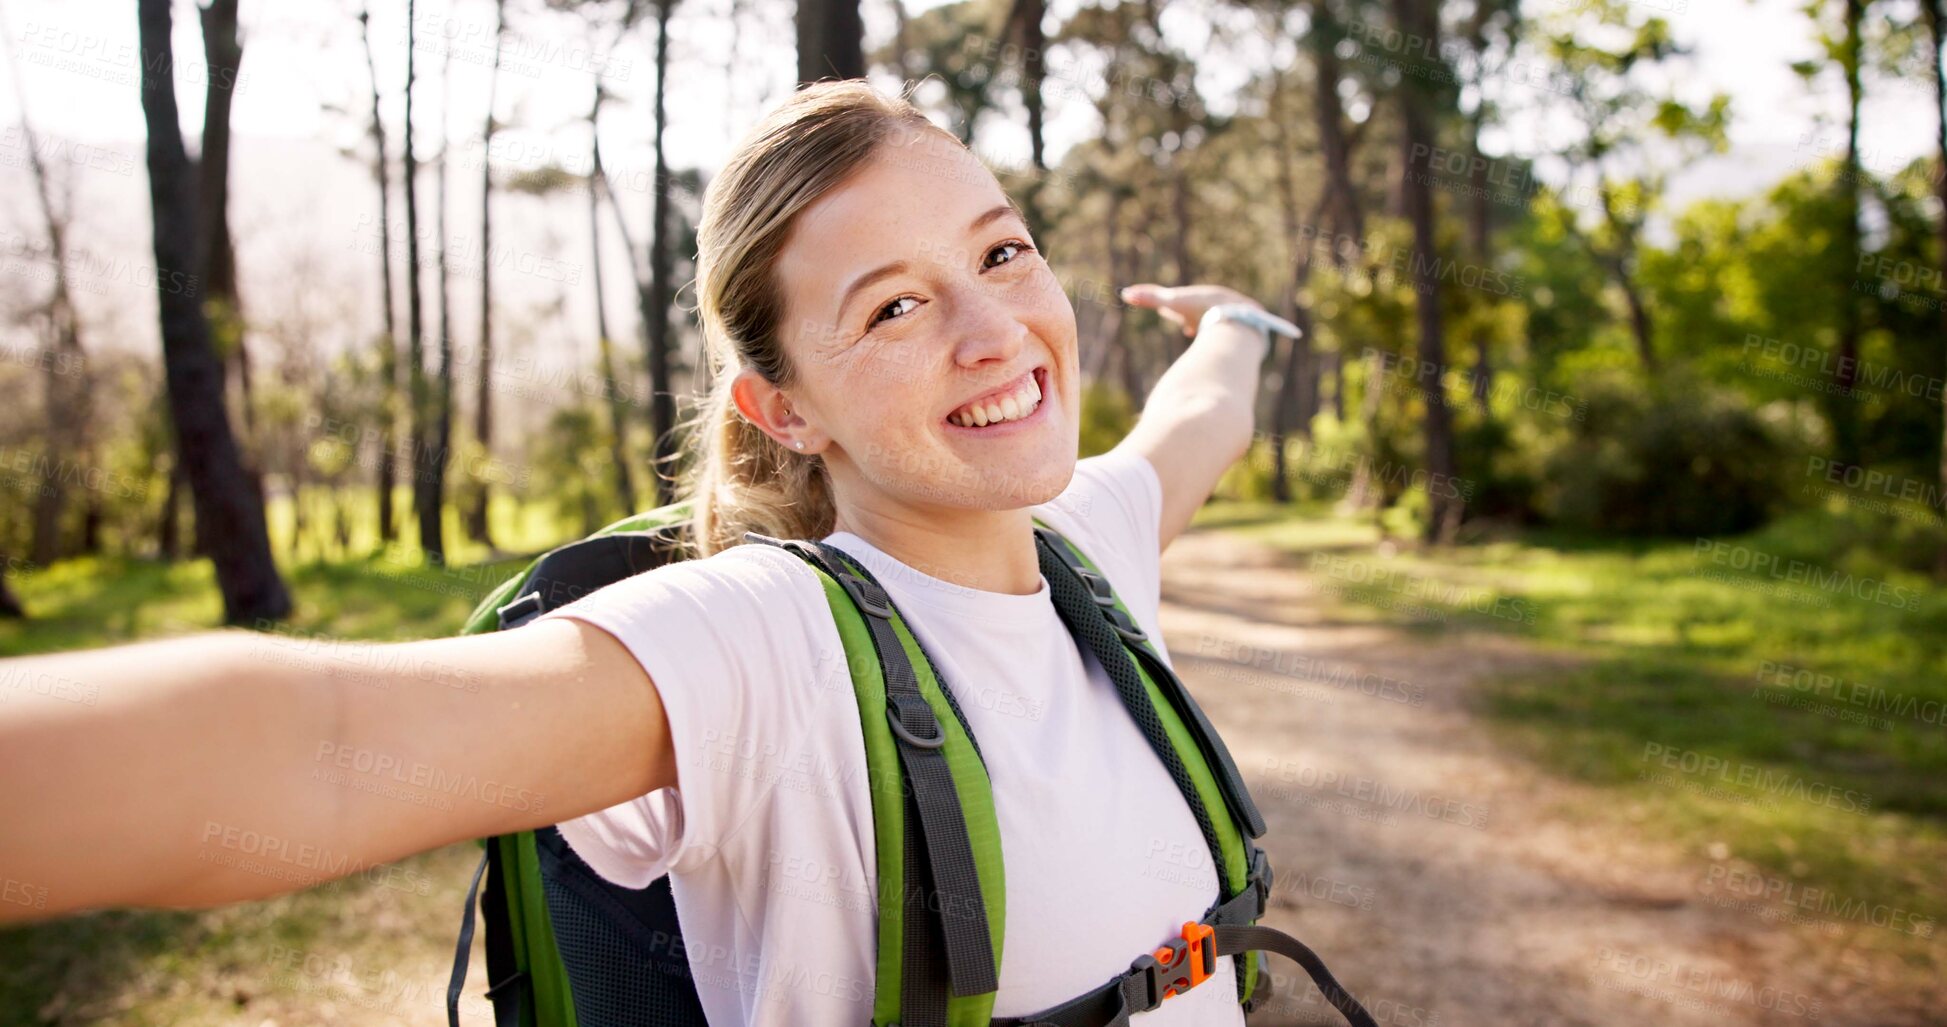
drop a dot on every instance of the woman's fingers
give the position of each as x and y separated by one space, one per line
1146 294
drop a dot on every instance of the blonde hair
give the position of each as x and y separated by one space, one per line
741 479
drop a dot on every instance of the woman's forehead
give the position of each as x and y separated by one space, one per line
902 205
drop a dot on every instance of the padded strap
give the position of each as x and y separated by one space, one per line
939 863
1083 610
1215 752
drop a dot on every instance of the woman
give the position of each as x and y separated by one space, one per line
897 374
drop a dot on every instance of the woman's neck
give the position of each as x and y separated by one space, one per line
987 550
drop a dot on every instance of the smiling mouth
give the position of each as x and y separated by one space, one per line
1016 401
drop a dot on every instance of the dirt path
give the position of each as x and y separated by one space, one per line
1437 875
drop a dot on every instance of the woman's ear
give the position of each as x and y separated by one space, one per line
766 406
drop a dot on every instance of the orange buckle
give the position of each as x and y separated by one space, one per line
1181 964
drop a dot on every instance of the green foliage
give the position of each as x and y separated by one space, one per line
1107 416
1675 458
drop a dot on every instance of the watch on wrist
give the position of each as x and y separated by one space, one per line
1249 314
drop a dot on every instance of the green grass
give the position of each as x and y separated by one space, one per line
1680 644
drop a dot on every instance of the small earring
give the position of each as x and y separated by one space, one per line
800 443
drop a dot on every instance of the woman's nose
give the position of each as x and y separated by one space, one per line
986 328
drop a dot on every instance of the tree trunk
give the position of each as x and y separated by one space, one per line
1479 229
169 524
223 53
225 504
1026 20
425 506
442 401
10 608
483 421
831 39
604 347
1415 18
1937 27
1842 403
662 399
1290 409
1334 146
388 471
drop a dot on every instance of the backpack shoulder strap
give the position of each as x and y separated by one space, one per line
941 895
1175 726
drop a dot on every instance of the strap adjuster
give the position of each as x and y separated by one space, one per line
870 597
1180 964
1098 587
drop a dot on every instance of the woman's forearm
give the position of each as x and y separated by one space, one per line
1200 418
131 774
235 765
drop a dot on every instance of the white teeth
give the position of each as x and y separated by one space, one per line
1011 407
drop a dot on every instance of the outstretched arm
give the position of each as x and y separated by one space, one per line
235 766
1200 417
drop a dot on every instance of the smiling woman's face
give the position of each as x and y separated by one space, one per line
933 351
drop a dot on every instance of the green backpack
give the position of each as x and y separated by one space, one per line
566 948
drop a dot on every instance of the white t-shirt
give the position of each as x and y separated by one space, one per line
768 842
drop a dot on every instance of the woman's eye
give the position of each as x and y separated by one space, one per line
1019 247
895 308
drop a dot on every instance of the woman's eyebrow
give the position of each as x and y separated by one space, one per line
998 212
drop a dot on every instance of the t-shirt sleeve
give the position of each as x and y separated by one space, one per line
735 660
1112 510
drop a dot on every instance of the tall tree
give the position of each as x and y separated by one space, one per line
1025 31
831 39
223 53
388 471
1620 118
1847 49
238 540
483 422
65 392
442 398
662 257
604 342
1937 32
1418 96
425 503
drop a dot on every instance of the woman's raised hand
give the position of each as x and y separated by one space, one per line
1182 305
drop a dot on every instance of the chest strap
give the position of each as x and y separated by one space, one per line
1182 963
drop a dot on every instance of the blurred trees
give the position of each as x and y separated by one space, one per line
1489 337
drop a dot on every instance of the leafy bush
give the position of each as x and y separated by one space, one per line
1670 458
